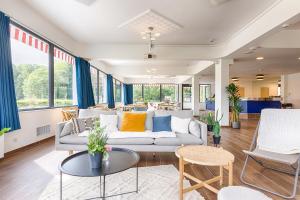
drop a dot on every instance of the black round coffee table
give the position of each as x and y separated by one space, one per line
119 160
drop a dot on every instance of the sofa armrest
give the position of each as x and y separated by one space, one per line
203 132
59 128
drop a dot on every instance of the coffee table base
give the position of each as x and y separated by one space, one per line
200 183
102 190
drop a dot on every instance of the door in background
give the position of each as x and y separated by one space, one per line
264 92
242 92
186 96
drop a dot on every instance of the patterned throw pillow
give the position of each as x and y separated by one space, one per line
82 124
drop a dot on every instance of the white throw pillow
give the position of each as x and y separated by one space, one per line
194 128
179 125
110 122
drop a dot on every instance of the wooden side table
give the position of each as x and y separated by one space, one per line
206 156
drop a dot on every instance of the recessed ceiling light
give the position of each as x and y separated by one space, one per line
285 25
157 34
152 38
144 38
299 58
235 79
260 58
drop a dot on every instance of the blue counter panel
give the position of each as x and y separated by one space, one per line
252 106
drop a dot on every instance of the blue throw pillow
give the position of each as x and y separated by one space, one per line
162 123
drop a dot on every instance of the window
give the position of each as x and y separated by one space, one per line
186 96
204 93
169 92
30 58
64 68
98 78
152 93
117 90
101 86
138 93
94 79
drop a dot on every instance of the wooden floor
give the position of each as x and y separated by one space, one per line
25 174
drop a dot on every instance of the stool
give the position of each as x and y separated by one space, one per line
240 192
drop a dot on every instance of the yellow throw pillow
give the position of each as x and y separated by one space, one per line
134 122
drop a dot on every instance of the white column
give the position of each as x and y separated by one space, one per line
221 82
283 88
180 94
195 95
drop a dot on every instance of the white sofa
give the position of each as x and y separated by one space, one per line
140 144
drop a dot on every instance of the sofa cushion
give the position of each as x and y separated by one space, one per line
194 129
67 129
130 141
73 139
179 140
109 122
148 123
177 113
180 125
133 121
94 112
162 123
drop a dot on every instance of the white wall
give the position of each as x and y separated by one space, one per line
30 120
252 88
292 94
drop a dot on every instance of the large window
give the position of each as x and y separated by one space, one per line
138 93
44 75
155 92
151 93
205 92
94 79
117 90
64 78
169 92
30 58
98 78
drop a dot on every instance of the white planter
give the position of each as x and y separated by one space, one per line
2 146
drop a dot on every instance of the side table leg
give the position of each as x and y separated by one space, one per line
221 175
137 178
181 170
230 172
60 188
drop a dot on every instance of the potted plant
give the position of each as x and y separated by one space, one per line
96 145
217 129
234 102
2 132
210 121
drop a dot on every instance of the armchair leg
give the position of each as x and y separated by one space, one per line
293 194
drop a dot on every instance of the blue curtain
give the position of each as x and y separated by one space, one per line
127 94
110 91
9 116
85 96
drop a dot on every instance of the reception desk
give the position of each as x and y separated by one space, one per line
251 107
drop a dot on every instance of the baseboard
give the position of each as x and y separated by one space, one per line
8 154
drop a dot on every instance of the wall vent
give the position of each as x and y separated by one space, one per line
43 130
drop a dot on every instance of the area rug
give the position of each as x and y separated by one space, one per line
157 182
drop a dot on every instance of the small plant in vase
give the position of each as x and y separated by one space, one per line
217 129
97 141
210 121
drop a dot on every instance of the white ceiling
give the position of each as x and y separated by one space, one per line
97 21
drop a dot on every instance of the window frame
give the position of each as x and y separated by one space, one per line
50 68
205 85
160 89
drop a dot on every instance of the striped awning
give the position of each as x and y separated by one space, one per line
28 39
